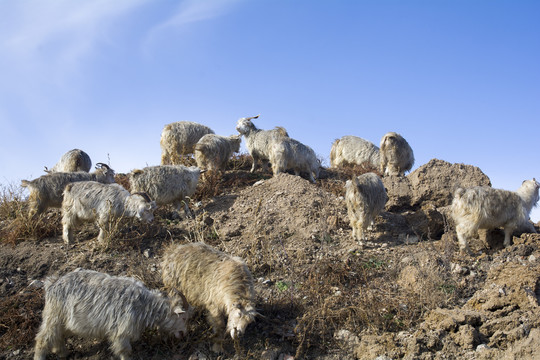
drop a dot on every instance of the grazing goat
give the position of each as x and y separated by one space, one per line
352 150
396 155
287 153
482 207
214 281
167 184
47 190
259 142
95 305
213 151
102 203
73 160
365 196
179 138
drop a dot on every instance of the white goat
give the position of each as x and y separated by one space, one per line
287 153
482 207
214 281
213 151
352 150
95 305
365 196
396 155
179 138
73 160
103 203
47 190
167 184
259 142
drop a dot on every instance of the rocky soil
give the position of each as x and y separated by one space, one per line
407 293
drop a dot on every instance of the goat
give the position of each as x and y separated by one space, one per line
396 155
73 160
167 184
365 196
213 151
102 203
179 138
352 150
217 282
47 190
482 207
287 153
259 142
91 304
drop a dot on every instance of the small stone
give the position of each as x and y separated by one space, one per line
36 284
286 357
147 253
482 347
269 355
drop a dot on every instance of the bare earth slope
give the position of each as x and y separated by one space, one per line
406 293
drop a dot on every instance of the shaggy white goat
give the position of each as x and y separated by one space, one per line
179 138
365 196
259 142
396 155
287 153
95 305
47 190
167 184
352 150
73 160
213 151
103 203
214 281
482 207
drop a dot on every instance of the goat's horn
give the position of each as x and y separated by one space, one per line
144 195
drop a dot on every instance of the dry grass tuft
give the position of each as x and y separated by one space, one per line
15 223
123 179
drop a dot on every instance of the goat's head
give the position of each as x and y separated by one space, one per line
244 125
181 312
239 318
106 171
145 207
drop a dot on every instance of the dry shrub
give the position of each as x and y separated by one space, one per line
20 318
186 160
368 293
209 185
123 179
15 223
241 161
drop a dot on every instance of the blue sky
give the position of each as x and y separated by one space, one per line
460 79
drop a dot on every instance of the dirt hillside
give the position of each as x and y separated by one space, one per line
407 293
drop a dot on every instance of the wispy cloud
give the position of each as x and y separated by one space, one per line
71 27
187 12
45 44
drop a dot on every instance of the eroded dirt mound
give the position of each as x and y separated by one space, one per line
500 321
431 185
285 205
